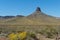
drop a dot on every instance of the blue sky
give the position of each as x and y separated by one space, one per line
26 7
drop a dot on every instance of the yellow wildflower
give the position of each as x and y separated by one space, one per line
12 36
22 35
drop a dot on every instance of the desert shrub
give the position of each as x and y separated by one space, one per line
22 35
48 32
32 35
12 36
17 36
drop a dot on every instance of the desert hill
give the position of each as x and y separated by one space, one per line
36 18
34 22
38 15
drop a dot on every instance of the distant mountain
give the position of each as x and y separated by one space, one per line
6 17
42 17
19 16
36 18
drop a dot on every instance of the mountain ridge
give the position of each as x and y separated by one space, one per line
36 18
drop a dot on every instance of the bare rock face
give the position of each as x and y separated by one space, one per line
38 9
37 13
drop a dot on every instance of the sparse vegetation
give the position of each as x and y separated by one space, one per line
49 32
17 27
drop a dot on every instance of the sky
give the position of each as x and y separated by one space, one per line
27 7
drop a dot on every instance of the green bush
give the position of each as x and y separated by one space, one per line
49 32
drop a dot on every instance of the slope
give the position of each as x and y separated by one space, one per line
42 17
36 18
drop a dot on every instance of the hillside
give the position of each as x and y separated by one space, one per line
37 22
38 15
36 18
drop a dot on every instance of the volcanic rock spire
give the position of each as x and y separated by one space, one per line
36 14
38 9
